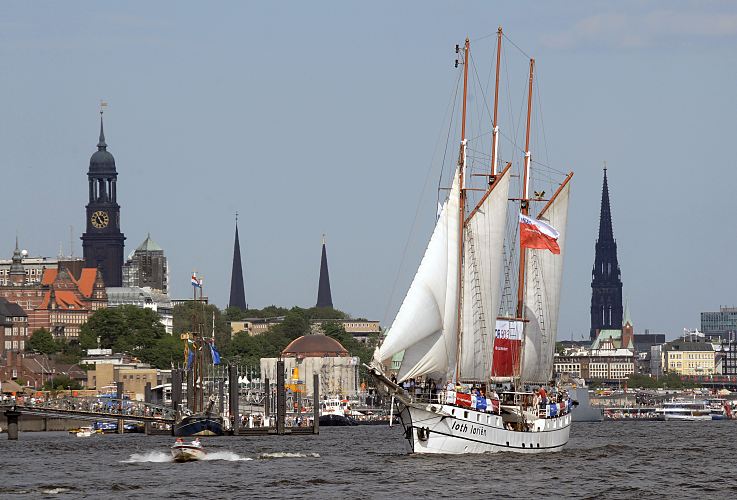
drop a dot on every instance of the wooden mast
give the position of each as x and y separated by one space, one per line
462 208
495 125
525 202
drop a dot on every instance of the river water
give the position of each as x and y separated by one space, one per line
602 460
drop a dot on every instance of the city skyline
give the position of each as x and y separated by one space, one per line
326 122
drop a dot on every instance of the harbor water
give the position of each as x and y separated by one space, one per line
602 460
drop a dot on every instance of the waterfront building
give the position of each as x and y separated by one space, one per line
606 282
606 362
33 267
62 301
688 357
103 242
316 354
13 328
237 288
324 295
37 369
134 377
145 298
719 322
147 267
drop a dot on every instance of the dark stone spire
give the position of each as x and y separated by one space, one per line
324 297
101 145
606 232
237 290
606 282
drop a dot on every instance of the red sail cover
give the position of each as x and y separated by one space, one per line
534 233
507 343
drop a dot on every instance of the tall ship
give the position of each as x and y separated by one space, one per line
200 417
479 322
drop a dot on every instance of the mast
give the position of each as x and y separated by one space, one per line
462 207
525 202
495 129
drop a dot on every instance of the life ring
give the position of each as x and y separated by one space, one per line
423 433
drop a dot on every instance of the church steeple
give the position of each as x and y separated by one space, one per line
606 283
324 297
101 145
237 289
102 242
17 271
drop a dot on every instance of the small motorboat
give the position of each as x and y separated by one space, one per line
185 452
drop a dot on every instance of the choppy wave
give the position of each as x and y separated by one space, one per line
161 457
226 455
149 456
286 454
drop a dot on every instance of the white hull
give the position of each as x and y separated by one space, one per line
689 418
186 453
454 430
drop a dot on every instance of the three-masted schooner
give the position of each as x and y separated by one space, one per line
449 328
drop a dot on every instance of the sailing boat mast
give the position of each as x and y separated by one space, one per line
495 126
525 201
462 205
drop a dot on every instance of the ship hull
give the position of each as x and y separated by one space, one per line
443 429
198 425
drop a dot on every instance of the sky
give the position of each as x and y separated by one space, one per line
331 117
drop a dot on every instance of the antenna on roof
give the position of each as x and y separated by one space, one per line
71 241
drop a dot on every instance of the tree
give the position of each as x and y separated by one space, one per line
165 353
128 329
42 342
197 317
61 382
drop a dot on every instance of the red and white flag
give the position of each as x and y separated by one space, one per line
534 233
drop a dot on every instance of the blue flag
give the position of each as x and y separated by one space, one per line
215 355
190 360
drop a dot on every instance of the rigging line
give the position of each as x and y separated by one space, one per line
451 106
484 37
542 122
447 138
516 46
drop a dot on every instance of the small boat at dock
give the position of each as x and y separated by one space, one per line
187 452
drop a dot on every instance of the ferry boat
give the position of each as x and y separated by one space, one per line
336 411
686 410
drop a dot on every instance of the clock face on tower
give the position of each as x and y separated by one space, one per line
100 219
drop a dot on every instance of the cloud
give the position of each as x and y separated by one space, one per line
644 29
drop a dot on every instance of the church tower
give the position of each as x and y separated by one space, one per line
606 282
102 243
237 289
324 297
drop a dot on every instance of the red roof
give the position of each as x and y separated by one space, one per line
49 276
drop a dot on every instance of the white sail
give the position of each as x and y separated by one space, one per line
543 274
425 327
482 262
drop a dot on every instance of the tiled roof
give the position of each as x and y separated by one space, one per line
65 299
86 282
49 276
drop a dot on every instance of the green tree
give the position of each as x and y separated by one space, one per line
165 353
61 382
197 317
42 342
128 329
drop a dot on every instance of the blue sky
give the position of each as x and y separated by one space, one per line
314 118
